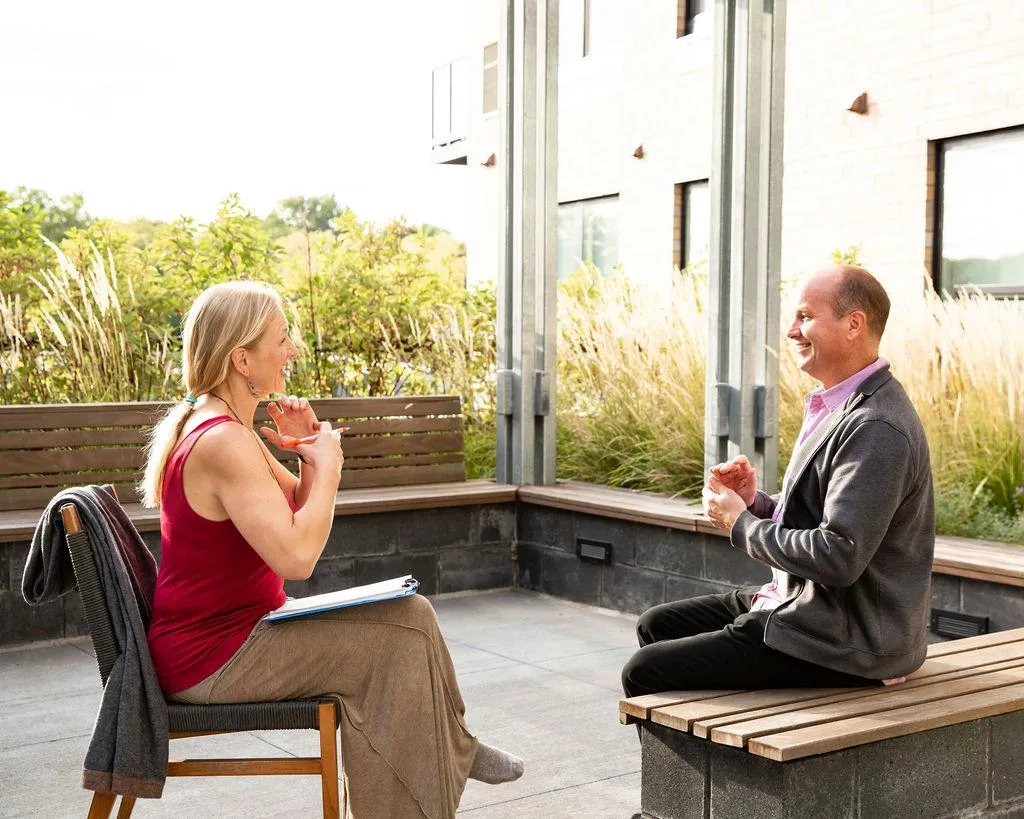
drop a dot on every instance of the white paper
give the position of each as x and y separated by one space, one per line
371 593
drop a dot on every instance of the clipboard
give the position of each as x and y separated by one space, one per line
357 596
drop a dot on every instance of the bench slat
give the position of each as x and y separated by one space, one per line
51 439
139 435
35 500
835 736
146 413
881 705
683 715
403 460
60 480
19 462
634 708
403 475
702 727
970 643
979 559
424 444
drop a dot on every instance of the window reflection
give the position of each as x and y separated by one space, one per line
588 232
980 233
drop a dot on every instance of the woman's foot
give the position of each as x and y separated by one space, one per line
494 766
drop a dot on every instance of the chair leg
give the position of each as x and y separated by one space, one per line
329 758
126 807
102 804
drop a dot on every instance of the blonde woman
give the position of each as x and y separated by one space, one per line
235 524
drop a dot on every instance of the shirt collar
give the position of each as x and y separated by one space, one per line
836 396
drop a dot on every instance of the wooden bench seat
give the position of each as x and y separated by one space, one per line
961 681
400 453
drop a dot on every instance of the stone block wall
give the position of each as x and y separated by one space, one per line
656 564
970 769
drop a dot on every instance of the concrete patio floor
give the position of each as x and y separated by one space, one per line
540 677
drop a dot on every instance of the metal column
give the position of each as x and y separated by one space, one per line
528 162
746 213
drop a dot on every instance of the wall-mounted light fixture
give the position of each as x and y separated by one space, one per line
639 152
859 105
490 161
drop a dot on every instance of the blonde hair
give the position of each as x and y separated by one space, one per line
223 318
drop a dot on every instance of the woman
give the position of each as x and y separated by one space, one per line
235 524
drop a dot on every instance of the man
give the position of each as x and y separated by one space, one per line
849 539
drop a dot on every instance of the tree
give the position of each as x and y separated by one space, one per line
312 213
58 219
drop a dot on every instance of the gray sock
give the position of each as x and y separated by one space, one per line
494 766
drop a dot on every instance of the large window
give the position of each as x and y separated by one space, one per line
692 233
588 232
979 214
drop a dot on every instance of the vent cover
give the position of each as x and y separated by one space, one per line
954 624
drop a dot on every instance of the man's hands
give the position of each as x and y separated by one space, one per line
731 487
738 475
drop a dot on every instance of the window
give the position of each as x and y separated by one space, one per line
692 224
450 117
491 78
588 231
979 213
691 16
587 27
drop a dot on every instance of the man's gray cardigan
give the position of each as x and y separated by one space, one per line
856 538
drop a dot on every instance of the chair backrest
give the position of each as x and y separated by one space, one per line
90 588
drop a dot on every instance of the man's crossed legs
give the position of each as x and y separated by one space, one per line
716 642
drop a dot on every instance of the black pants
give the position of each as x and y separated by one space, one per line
716 642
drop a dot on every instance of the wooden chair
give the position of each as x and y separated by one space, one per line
201 720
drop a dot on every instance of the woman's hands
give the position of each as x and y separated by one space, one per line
299 430
292 416
324 451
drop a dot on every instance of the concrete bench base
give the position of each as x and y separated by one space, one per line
970 769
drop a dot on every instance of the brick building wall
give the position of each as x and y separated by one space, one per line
932 69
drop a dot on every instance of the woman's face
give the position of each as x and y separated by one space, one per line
268 369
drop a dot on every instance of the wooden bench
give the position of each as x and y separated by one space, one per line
400 453
947 742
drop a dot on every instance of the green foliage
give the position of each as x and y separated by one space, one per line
86 342
22 251
58 218
362 298
847 256
959 512
305 213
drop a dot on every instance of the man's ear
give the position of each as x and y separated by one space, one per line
857 323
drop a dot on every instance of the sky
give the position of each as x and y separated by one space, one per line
156 109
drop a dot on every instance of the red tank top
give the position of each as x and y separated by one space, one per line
212 587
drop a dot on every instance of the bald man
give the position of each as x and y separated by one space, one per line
849 539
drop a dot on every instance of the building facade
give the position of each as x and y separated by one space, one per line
904 138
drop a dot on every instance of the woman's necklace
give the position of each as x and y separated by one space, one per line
263 449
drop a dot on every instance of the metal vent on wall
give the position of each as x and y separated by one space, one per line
954 624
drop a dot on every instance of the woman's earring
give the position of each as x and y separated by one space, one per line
251 388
